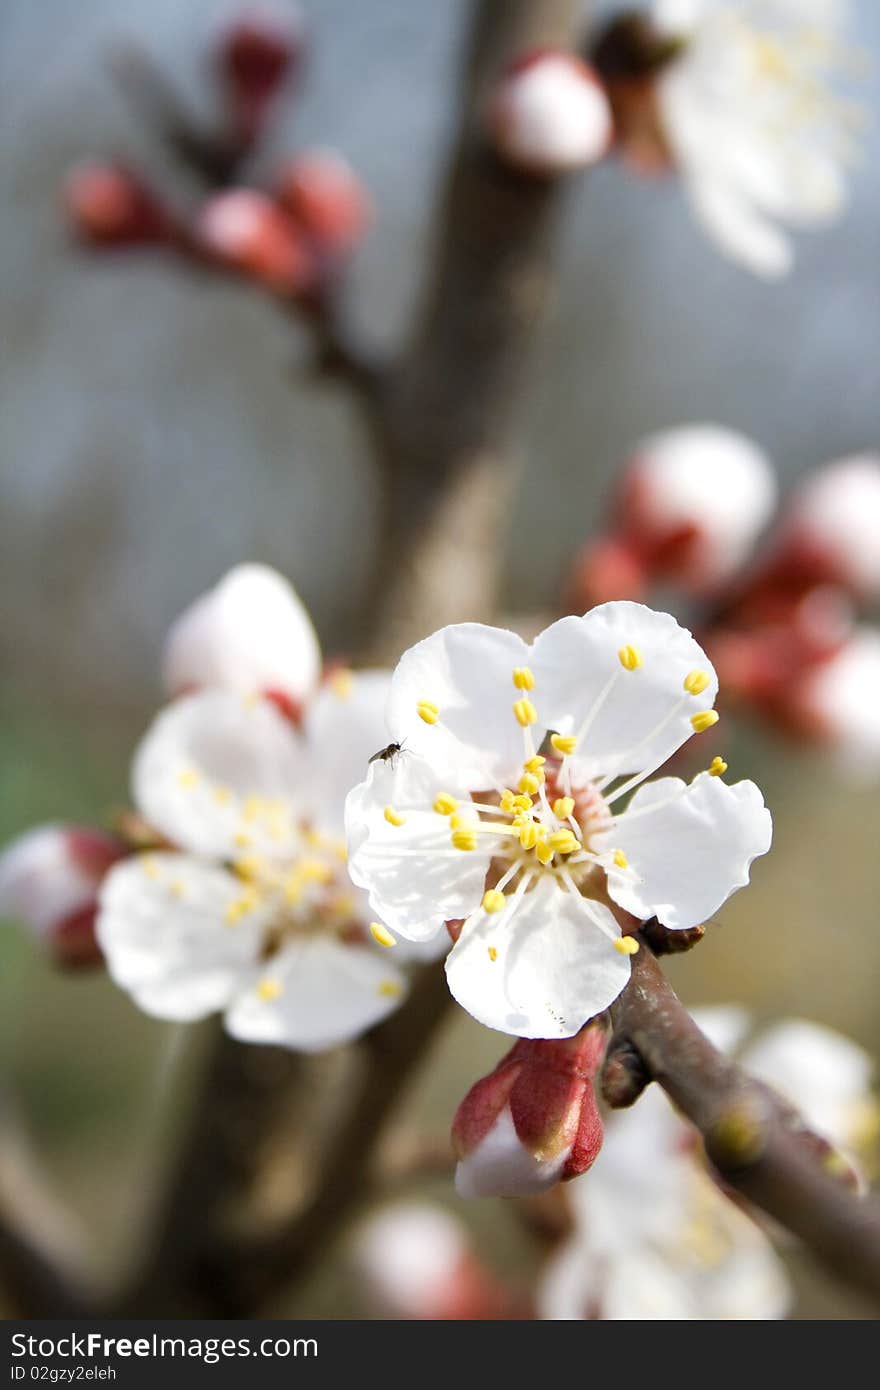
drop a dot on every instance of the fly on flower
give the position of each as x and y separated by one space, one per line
520 810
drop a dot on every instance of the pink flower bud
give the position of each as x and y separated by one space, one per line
604 570
839 702
108 206
533 1121
248 231
549 115
251 634
49 879
327 200
832 532
693 502
417 1262
256 54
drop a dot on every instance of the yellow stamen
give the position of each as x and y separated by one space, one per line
564 743
630 658
222 795
188 777
534 764
464 839
696 681
563 807
704 720
149 866
626 945
342 683
389 989
493 901
242 840
543 852
507 802
462 820
393 817
563 841
620 859
529 783
381 935
493 954
522 803
249 866
445 804
269 989
428 711
717 767
528 834
313 871
524 678
525 713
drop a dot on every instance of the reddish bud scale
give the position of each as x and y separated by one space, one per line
108 206
548 1087
327 201
256 56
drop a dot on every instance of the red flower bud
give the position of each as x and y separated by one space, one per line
108 206
49 879
256 54
249 232
533 1121
327 200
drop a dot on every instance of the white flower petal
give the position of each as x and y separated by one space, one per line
466 670
200 762
554 966
635 728
327 993
162 927
248 634
691 853
415 879
344 726
740 230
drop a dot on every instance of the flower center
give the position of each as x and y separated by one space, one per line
300 896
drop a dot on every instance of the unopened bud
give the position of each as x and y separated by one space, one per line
832 532
549 115
249 232
533 1121
49 880
108 206
251 634
417 1262
838 702
256 53
327 201
694 500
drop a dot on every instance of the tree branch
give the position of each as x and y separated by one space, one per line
758 1146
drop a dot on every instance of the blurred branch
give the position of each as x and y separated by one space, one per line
201 1265
39 1249
759 1147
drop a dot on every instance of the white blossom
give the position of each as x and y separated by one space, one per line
503 809
751 120
250 909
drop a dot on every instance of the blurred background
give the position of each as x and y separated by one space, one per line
156 429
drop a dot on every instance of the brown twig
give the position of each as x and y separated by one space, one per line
753 1139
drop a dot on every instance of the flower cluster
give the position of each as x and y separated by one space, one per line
780 621
519 809
737 99
233 894
295 235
